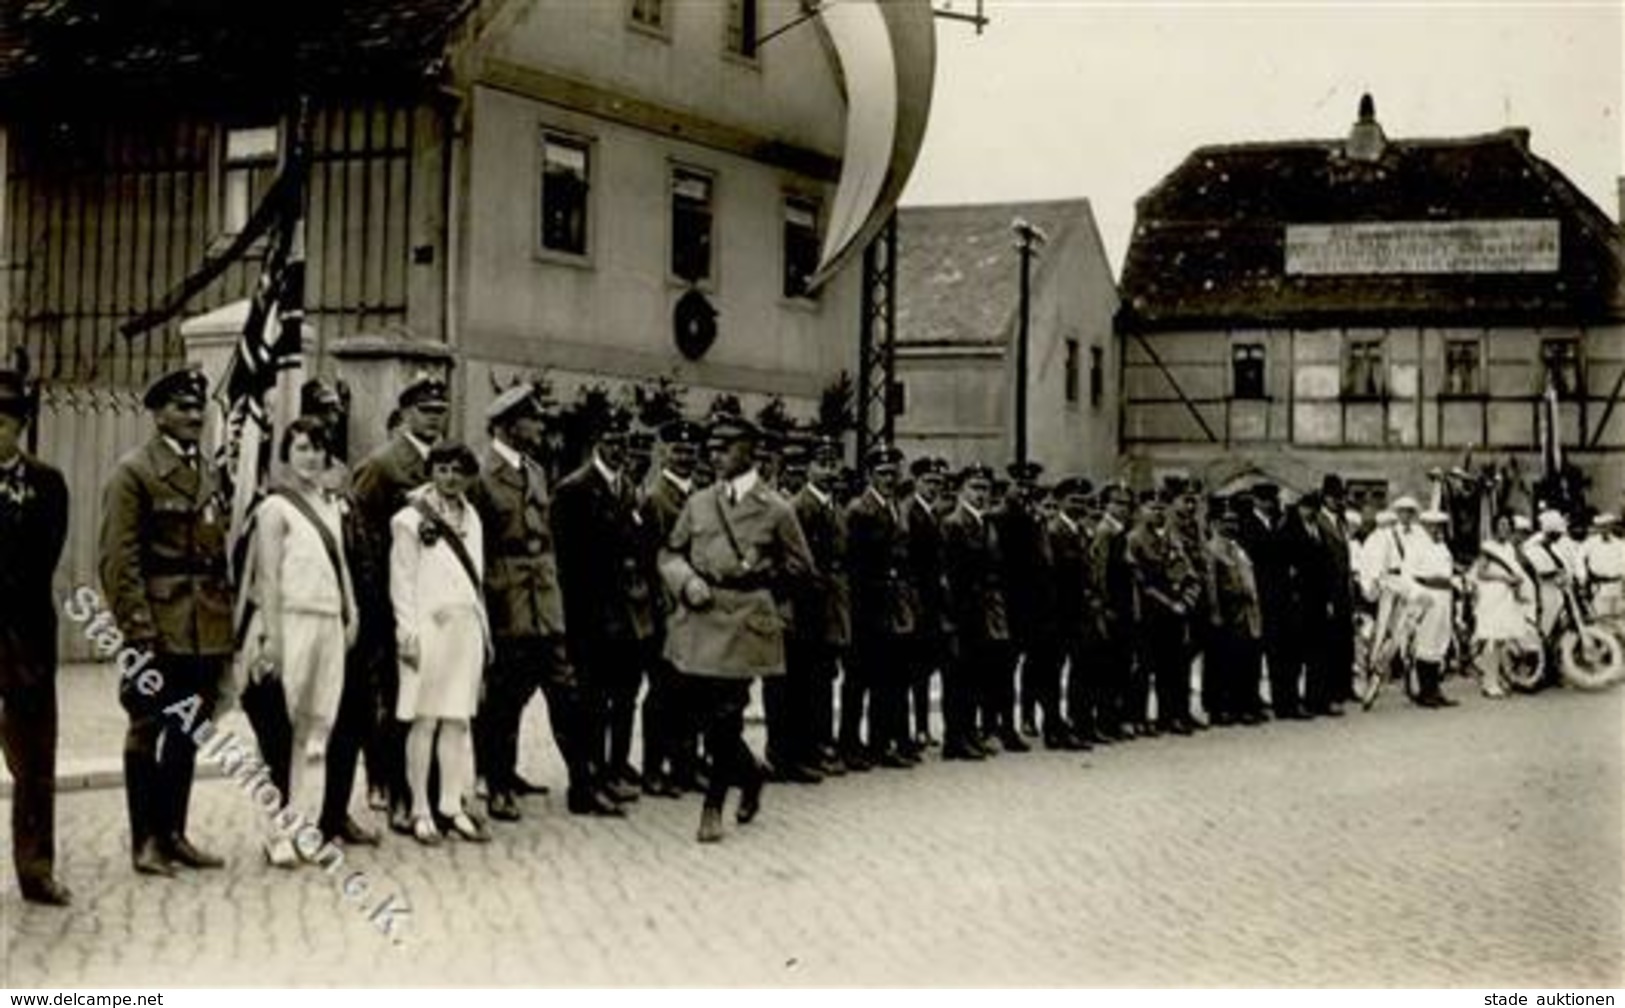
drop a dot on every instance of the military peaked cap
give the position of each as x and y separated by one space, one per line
883 454
14 398
424 390
513 404
680 431
185 385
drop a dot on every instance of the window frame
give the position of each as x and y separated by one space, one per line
659 28
564 138
1072 372
1573 364
1097 376
815 207
753 56
1249 352
713 265
1378 368
246 167
1451 345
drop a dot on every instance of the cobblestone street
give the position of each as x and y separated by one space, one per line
1481 846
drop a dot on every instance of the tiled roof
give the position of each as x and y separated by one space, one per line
108 50
1208 243
958 274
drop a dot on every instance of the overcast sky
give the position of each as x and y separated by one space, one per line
1066 98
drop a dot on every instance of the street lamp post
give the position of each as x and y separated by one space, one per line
1029 238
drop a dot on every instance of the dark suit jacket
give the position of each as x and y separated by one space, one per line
1113 580
1028 584
823 602
925 562
377 492
1268 549
877 556
599 567
1340 581
976 601
31 536
163 553
1312 572
1069 559
522 593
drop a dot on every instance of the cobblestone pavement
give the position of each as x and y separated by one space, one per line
1480 846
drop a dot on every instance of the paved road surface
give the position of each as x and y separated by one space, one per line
1479 846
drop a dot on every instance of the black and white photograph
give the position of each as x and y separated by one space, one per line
1111 494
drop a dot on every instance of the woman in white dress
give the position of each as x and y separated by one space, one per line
436 568
1504 609
306 623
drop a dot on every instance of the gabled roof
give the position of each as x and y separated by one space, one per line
958 272
93 52
1208 244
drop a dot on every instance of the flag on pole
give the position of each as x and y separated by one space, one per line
1551 440
271 341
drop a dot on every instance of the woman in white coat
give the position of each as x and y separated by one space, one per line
436 568
1429 569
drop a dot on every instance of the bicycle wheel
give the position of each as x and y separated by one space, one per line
1524 667
1590 658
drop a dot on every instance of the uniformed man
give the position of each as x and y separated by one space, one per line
1122 692
1236 623
1160 577
599 569
1187 528
1070 701
800 705
933 631
976 603
669 746
1028 589
380 487
883 621
33 528
164 574
526 610
734 558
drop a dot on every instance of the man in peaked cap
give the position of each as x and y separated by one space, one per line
733 561
33 528
164 575
883 621
1024 549
379 490
923 527
526 611
976 608
1111 580
670 746
607 600
1069 706
800 704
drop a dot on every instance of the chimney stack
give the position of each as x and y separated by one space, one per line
1366 141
